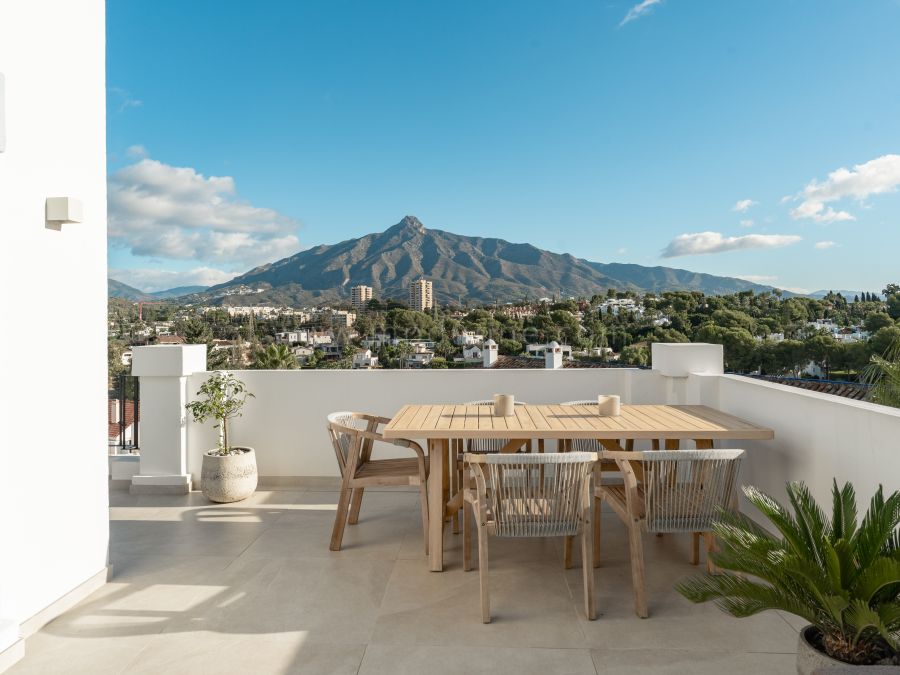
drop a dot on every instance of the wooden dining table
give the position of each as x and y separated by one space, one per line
440 424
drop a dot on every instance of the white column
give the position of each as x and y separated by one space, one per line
163 371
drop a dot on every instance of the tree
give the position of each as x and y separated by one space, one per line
223 397
883 373
635 355
893 306
509 347
275 357
883 340
876 321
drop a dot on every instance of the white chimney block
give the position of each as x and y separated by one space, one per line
553 356
682 359
489 353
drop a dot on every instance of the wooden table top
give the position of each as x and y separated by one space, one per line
577 421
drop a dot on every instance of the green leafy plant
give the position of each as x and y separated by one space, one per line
883 373
275 357
840 575
223 397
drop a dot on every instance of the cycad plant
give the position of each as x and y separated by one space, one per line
883 373
842 576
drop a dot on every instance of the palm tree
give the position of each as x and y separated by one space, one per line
883 373
841 576
275 357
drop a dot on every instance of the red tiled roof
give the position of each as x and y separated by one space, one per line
170 340
114 427
852 390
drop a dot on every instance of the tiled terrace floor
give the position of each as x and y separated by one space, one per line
252 588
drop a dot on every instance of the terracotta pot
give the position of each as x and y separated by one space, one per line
810 660
229 478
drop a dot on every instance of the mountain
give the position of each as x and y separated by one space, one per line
177 292
462 268
116 289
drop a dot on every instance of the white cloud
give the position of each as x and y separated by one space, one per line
757 278
822 245
162 211
877 176
700 243
150 280
747 223
136 151
639 10
742 205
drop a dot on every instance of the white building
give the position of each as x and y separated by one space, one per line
363 359
541 349
472 353
468 337
342 318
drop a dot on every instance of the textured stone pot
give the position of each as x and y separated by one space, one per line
229 478
810 660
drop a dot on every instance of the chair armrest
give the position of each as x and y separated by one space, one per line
401 442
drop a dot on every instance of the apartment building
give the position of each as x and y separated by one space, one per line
360 296
420 295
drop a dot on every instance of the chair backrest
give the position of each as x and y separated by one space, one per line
684 489
537 495
584 444
343 429
487 445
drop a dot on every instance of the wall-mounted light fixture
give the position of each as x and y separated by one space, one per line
61 210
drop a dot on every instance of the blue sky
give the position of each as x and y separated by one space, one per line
755 138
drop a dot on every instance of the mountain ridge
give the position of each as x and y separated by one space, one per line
480 269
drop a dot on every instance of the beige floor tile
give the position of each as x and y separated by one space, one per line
414 660
695 662
47 653
530 604
239 654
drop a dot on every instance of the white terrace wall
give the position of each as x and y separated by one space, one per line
285 422
817 436
53 494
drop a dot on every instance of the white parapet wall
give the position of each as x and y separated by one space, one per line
818 437
54 528
285 422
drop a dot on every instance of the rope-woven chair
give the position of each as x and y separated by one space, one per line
668 491
353 436
528 495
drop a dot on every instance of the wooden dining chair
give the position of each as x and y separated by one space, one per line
528 495
353 436
667 491
608 466
480 446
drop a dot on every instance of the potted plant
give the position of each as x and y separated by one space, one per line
229 472
841 576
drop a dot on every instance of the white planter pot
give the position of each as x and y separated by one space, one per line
229 478
810 660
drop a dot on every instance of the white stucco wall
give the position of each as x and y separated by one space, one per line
817 437
286 420
53 515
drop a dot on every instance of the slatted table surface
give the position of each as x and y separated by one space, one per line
559 421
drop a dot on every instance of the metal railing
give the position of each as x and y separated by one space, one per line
124 414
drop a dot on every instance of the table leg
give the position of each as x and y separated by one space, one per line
437 453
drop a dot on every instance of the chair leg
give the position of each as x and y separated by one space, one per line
588 574
423 502
596 534
483 574
567 553
455 481
467 523
340 519
355 504
695 548
710 539
637 569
